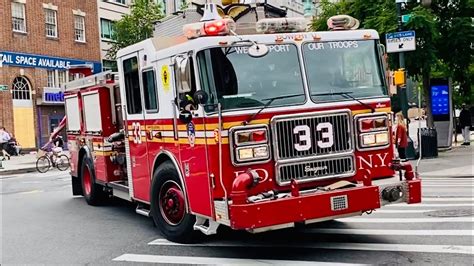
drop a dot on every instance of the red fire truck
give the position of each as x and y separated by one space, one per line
255 132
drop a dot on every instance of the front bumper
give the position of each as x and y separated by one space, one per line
319 206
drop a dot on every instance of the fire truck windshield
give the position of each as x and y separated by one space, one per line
343 66
236 80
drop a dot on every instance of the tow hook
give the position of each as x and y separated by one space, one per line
392 194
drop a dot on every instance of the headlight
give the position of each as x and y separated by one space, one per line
252 153
250 144
373 130
374 139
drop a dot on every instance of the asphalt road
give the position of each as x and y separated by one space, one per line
43 224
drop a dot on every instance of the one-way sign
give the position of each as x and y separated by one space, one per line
400 41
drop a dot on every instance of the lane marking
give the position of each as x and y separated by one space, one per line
455 249
389 232
447 199
409 220
216 260
443 179
416 205
30 192
400 211
456 185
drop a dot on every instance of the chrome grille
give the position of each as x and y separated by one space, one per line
285 139
315 169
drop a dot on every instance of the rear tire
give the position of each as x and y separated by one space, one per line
168 206
92 192
43 164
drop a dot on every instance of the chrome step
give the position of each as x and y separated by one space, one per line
120 190
142 210
210 229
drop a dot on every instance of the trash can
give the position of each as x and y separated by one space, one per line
429 143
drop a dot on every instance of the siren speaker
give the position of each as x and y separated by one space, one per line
210 12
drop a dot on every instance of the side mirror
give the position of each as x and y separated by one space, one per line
183 74
185 116
200 97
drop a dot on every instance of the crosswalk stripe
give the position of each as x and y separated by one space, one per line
418 205
447 199
456 249
409 220
389 232
439 180
455 185
216 260
401 211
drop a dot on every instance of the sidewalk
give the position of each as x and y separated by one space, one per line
456 162
20 164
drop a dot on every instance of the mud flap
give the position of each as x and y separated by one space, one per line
76 186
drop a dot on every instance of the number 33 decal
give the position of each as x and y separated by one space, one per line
304 134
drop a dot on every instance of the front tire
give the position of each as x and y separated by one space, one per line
168 206
62 162
92 192
43 164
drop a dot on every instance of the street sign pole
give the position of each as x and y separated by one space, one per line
403 97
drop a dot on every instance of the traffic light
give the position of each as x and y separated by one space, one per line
399 77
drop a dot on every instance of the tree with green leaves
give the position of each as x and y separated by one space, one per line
443 37
137 26
455 45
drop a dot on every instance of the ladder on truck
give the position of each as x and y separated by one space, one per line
89 81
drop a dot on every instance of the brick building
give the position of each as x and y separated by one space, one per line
39 39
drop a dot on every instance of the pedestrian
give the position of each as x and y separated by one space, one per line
465 123
401 138
4 138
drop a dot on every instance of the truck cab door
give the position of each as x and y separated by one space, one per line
136 141
192 140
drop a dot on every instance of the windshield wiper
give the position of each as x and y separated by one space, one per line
269 101
348 95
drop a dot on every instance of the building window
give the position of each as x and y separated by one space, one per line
21 89
107 29
79 28
120 1
18 17
109 65
51 79
62 78
51 23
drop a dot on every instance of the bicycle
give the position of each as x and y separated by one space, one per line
51 159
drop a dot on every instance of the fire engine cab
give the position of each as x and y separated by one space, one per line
255 132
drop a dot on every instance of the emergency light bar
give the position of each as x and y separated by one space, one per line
281 25
209 28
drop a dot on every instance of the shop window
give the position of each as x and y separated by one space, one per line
149 90
51 79
79 28
21 89
132 85
51 23
18 17
62 78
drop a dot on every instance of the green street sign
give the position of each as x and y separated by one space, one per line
3 87
406 18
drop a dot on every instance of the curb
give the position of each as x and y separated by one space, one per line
17 171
